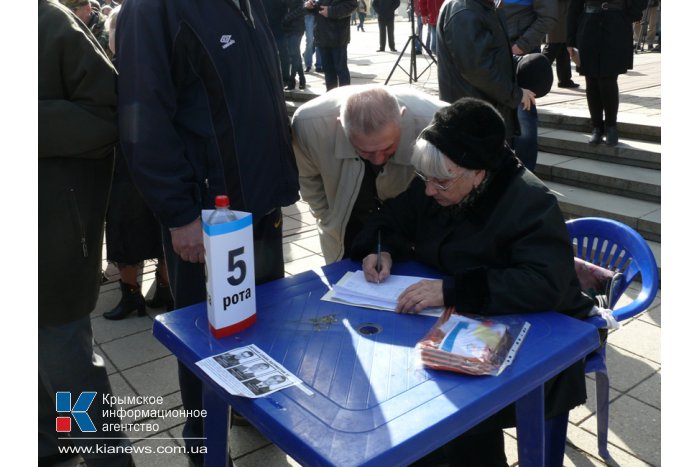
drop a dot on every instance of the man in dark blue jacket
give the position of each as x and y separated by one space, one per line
201 114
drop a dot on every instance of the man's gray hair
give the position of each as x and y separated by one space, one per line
369 111
428 160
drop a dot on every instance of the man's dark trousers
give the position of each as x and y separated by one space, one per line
188 285
335 66
386 27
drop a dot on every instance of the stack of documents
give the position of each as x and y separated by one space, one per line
353 289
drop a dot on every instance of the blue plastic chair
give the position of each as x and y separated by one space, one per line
617 247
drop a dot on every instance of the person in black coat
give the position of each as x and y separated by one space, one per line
602 33
275 11
385 15
497 235
332 36
294 27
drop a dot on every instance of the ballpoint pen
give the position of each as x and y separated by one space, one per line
379 253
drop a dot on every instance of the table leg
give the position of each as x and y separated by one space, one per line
216 427
529 412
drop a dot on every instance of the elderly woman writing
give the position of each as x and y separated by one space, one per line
497 235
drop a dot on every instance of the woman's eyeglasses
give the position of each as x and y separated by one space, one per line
437 185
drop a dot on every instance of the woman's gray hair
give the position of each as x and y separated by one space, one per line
428 160
369 111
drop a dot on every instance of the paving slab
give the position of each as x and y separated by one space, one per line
626 369
157 377
135 349
588 410
649 390
585 443
640 338
104 330
635 428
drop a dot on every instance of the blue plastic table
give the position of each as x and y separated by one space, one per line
371 403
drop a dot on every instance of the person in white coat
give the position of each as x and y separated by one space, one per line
353 151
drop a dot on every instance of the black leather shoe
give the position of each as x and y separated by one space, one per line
393 50
611 137
568 84
380 50
131 300
307 69
596 136
162 296
302 84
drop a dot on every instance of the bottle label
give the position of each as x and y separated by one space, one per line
230 273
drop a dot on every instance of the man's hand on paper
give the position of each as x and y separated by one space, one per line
421 295
369 267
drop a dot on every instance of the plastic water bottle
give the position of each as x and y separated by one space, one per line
222 214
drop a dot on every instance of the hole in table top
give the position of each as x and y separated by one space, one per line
369 329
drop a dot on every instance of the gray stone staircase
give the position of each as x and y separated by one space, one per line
621 183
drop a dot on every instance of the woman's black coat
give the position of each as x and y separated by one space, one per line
509 253
604 39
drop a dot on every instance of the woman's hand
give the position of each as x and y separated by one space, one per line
421 295
369 267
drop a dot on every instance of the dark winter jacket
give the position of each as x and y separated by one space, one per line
201 108
508 253
528 21
293 21
475 58
385 8
334 31
77 134
275 11
604 40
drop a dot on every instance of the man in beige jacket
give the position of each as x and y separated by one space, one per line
353 150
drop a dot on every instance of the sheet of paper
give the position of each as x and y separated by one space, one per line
248 372
353 289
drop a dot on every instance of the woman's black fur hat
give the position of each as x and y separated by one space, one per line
470 132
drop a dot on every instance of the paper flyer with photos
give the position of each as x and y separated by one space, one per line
248 372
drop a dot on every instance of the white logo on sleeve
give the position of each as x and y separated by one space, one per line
227 41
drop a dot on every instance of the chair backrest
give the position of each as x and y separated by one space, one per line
617 247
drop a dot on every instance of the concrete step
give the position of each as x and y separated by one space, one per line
629 127
607 177
642 216
630 152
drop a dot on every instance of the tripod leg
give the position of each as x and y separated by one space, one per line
399 60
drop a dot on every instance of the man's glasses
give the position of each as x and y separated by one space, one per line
437 185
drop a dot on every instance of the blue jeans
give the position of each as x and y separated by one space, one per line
281 43
309 44
335 66
293 42
432 39
525 145
419 32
